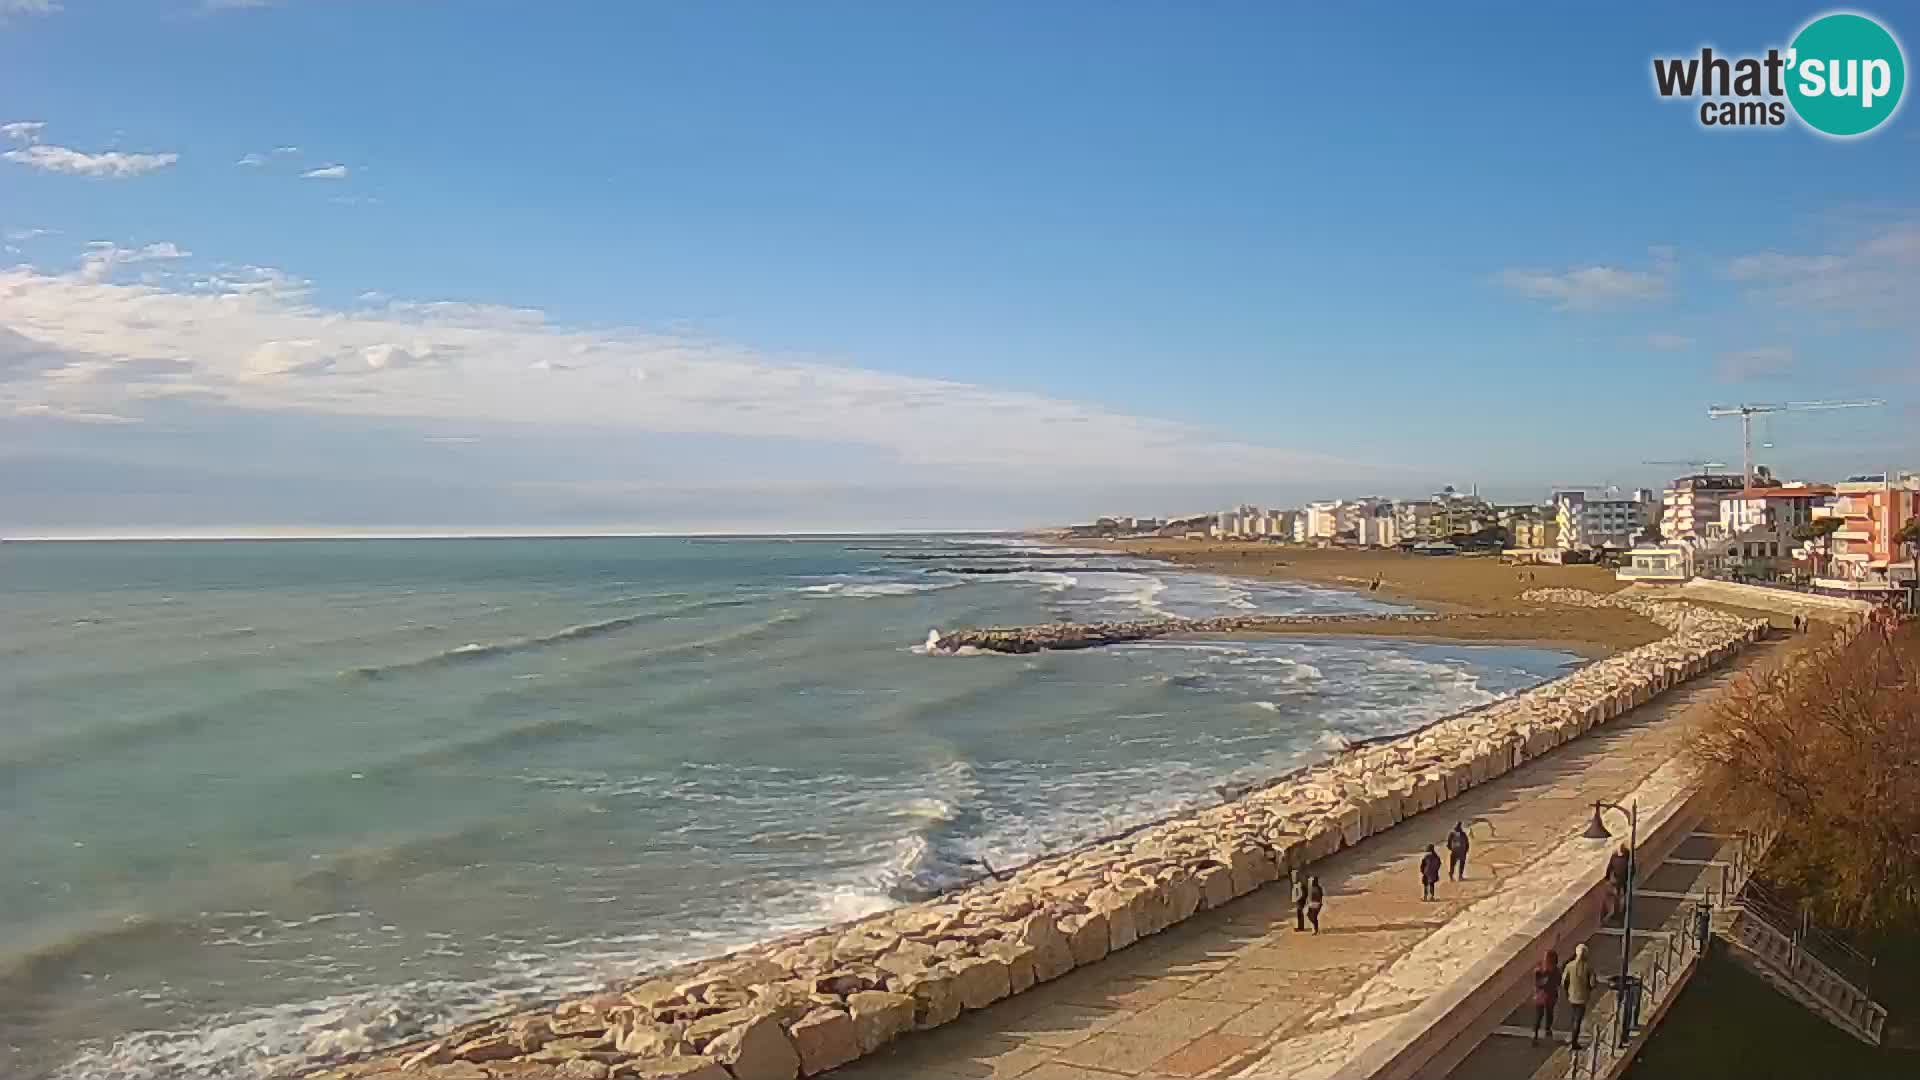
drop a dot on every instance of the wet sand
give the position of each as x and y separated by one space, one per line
1480 595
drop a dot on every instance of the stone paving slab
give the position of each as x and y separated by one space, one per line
1225 990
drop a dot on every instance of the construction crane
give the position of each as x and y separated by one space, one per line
1704 466
1746 413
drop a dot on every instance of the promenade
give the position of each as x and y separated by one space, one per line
1238 992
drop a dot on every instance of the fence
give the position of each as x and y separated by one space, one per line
1661 969
1817 962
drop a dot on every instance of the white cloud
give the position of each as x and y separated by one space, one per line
20 235
1669 342
1767 362
251 160
255 341
102 258
286 149
26 131
1875 279
112 163
326 172
1587 288
74 416
28 7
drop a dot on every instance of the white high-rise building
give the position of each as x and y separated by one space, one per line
1607 519
1692 503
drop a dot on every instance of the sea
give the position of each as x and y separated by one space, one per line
263 803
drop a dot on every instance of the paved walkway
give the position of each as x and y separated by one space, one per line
1237 992
1511 1053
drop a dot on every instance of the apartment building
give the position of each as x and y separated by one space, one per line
1456 513
1865 559
1417 521
1376 528
1541 530
1606 519
1691 503
1323 520
1788 507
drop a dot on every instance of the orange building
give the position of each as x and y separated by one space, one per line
1865 558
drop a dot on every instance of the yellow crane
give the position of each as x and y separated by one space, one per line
1746 413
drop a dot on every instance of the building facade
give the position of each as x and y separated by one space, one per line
1416 521
1692 503
1864 557
1606 519
1788 507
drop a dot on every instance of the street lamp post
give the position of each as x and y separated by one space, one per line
1597 830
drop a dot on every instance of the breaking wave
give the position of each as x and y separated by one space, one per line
473 650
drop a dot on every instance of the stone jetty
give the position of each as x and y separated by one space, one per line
1028 639
806 1004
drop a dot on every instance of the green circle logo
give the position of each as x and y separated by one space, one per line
1845 74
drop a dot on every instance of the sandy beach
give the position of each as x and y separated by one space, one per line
1483 593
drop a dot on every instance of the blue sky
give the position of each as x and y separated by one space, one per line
861 265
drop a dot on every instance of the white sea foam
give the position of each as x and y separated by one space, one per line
872 590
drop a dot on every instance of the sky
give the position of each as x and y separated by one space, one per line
346 265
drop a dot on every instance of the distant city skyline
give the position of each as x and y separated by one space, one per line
750 268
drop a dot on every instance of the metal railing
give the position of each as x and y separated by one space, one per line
1663 966
1794 955
1660 968
1810 943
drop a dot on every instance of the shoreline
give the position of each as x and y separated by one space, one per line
819 999
1478 598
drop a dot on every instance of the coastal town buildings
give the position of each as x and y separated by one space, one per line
1458 513
1323 520
1864 558
1691 503
1376 527
1416 521
1540 530
1658 563
1708 524
1588 519
1787 506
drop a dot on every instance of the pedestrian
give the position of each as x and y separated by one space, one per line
1429 872
1577 981
1315 899
1617 865
1546 994
1299 902
1457 845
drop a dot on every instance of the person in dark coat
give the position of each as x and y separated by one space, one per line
1429 872
1546 994
1315 899
1299 902
1617 882
1457 845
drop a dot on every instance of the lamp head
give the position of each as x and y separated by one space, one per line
1596 830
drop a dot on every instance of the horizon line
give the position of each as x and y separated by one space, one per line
540 534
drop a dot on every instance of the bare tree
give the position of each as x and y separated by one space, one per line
1828 749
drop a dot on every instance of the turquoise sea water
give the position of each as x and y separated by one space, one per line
269 801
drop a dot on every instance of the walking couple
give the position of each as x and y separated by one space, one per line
1549 980
1307 901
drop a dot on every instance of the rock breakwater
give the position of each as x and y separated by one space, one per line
1028 639
806 1004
